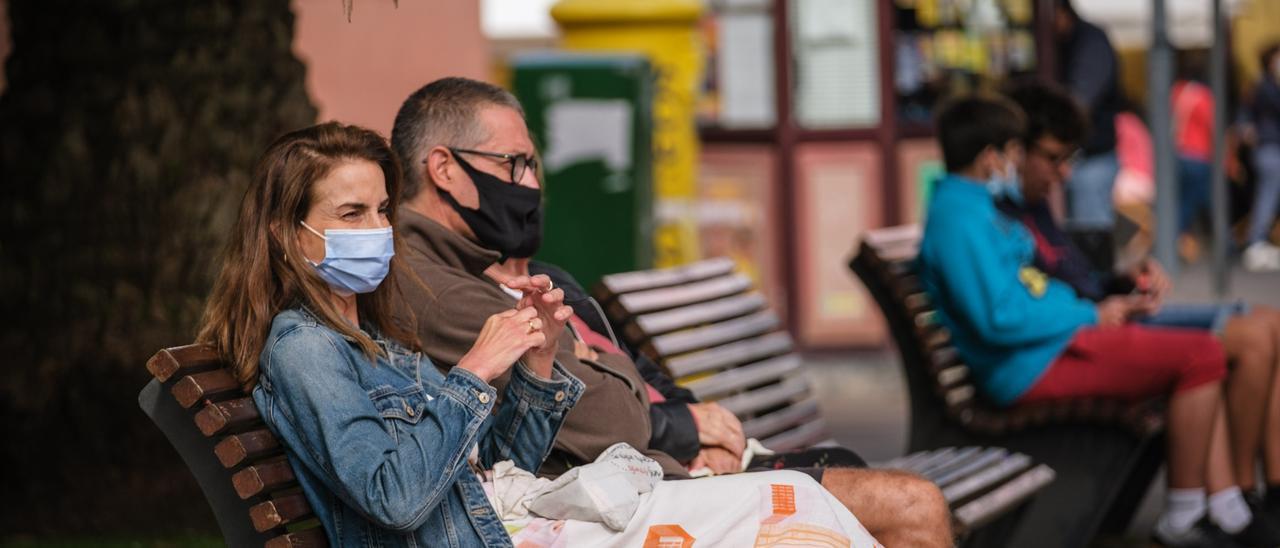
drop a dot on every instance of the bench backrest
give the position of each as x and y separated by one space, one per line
712 332
937 377
240 465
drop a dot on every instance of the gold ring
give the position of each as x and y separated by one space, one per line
532 327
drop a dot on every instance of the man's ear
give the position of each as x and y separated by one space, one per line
438 165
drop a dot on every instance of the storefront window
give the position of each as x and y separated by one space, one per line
944 47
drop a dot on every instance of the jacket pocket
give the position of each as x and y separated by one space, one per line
401 408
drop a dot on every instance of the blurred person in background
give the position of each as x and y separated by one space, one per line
1263 132
1087 66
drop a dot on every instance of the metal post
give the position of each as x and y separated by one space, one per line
1218 204
1159 80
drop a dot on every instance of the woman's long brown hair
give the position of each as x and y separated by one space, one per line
264 270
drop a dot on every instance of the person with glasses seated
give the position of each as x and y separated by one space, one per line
472 219
1249 335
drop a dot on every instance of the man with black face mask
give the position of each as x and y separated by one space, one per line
470 221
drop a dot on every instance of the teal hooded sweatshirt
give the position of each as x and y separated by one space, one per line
1008 320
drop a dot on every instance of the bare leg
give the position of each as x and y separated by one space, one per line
1192 414
1218 473
1249 344
1271 436
898 508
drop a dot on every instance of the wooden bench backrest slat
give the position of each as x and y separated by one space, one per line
227 416
263 478
782 420
631 282
658 323
715 334
280 510
750 403
733 380
237 449
191 389
310 538
728 355
807 435
186 360
665 298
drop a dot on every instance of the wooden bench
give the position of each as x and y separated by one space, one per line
712 332
215 427
1104 452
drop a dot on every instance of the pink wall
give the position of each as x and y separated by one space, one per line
359 72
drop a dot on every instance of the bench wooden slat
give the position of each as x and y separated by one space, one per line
628 282
992 505
987 458
741 378
795 414
658 323
192 358
714 334
799 438
750 403
983 480
942 466
226 416
237 449
263 478
924 459
653 300
730 354
280 510
309 538
191 389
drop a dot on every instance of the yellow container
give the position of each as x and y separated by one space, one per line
667 32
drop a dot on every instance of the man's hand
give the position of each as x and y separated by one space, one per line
584 351
1116 310
718 459
1152 278
539 294
717 427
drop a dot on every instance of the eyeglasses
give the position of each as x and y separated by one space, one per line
519 162
1070 156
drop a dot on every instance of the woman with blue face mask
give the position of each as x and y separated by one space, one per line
383 444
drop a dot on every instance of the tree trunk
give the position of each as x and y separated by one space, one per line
127 134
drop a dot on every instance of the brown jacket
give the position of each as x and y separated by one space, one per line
452 299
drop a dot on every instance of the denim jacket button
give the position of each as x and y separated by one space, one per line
483 397
560 395
408 409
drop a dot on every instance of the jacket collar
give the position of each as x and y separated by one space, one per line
441 245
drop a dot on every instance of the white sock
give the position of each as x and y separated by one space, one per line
1229 511
1182 508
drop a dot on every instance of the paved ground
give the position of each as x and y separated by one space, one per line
865 400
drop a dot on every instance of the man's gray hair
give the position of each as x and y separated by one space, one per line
442 113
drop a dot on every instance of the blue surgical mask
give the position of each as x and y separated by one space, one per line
1008 184
355 260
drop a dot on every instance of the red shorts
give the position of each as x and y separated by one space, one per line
1131 363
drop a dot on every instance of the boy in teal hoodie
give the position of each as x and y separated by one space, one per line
1028 338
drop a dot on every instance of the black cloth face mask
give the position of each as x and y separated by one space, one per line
509 219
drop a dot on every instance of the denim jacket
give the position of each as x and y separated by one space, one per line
381 449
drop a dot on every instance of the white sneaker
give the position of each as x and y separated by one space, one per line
1261 257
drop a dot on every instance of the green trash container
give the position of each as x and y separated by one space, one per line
591 119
